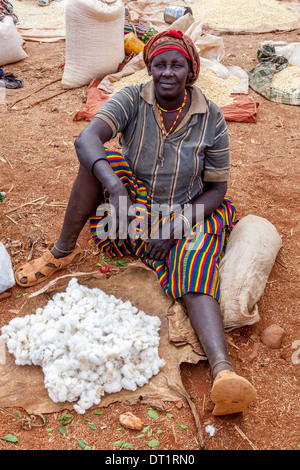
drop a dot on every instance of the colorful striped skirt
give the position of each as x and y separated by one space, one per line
192 264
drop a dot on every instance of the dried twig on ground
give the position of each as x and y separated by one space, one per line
244 436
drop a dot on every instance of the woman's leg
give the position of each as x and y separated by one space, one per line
230 392
84 199
206 319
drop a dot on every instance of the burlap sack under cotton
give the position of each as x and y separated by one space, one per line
244 270
11 42
94 40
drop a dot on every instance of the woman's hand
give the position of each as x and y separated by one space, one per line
159 249
162 240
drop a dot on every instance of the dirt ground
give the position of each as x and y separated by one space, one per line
38 165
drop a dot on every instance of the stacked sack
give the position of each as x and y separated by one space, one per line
94 40
11 41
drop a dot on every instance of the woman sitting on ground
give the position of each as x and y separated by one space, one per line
175 155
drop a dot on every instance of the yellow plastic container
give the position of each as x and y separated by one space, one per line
133 44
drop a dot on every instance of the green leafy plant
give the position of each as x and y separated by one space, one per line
146 428
123 444
183 426
66 419
152 413
153 443
10 438
84 446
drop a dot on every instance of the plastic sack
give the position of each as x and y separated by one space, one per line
11 42
250 255
209 46
95 98
94 40
243 109
7 279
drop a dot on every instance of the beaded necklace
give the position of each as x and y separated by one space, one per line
165 134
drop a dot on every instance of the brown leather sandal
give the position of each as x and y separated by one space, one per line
231 393
40 269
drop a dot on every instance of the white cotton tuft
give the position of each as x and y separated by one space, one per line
88 343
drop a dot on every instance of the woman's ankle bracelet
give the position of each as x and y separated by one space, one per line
63 251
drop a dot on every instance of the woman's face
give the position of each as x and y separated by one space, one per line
169 71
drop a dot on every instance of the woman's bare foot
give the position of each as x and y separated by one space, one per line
231 393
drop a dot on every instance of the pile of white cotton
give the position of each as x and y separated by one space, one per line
88 343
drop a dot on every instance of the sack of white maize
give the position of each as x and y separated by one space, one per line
11 42
94 40
274 78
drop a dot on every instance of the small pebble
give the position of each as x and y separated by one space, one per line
130 421
272 336
179 405
254 351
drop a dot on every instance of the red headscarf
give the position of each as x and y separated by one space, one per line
174 40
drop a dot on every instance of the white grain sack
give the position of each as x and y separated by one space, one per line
11 42
88 343
94 40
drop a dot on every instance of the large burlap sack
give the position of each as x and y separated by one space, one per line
11 42
94 40
244 270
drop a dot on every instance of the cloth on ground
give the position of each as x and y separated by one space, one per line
260 77
289 50
243 109
152 13
250 254
24 385
95 99
10 81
